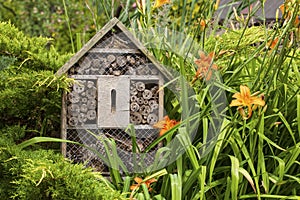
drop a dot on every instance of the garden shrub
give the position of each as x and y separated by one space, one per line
13 133
35 53
44 174
30 93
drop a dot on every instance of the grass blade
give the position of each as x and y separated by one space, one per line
146 192
175 187
298 113
217 149
234 177
261 159
248 177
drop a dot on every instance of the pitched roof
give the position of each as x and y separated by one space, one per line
99 35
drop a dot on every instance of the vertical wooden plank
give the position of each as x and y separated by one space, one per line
109 117
160 98
64 123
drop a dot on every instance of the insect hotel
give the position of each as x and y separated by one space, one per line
116 84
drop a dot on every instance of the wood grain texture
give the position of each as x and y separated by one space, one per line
120 117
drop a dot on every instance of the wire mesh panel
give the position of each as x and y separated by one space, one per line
80 154
91 156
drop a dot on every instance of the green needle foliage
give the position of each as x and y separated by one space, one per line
29 91
44 174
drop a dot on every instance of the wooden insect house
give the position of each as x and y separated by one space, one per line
116 84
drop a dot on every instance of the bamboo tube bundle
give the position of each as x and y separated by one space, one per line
82 103
143 103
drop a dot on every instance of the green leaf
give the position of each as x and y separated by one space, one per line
218 147
298 112
248 177
234 177
261 157
287 125
175 187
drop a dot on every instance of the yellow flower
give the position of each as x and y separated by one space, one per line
245 99
165 125
159 3
216 6
139 181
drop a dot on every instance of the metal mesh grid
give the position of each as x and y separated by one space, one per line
123 142
79 154
116 39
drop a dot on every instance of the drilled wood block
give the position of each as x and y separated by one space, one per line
113 109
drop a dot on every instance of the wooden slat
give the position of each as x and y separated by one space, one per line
160 100
145 126
121 51
64 124
144 77
84 127
85 76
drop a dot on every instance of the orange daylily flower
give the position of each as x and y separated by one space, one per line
272 43
205 66
245 99
159 3
202 24
139 181
165 125
283 8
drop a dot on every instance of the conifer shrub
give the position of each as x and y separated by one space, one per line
30 93
44 174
